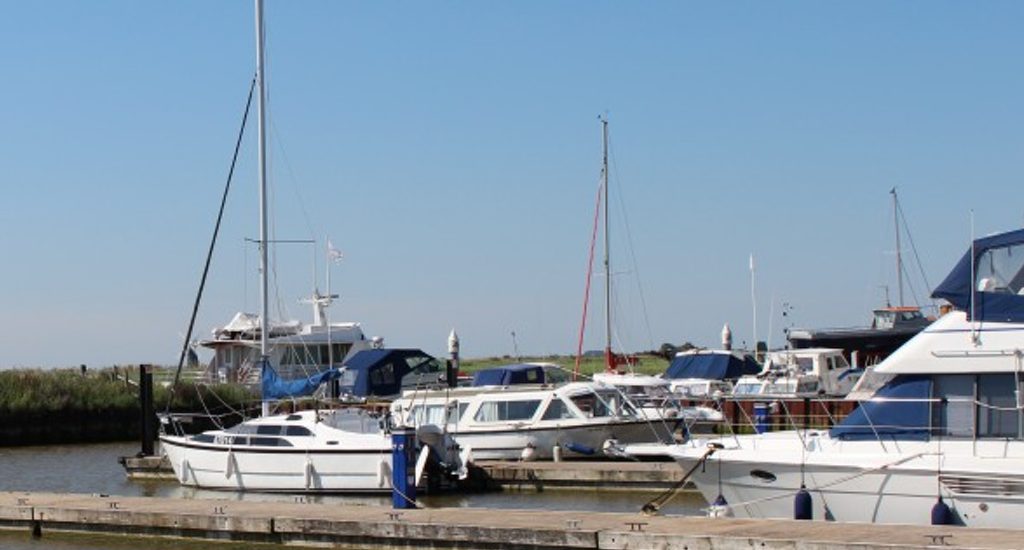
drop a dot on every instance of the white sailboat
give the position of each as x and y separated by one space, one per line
941 442
345 450
651 395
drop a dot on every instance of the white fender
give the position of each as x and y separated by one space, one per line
229 470
421 463
383 473
184 470
309 470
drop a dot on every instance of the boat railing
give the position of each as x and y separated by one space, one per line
820 413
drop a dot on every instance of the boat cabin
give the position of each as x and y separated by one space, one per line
520 373
702 374
296 350
800 373
386 373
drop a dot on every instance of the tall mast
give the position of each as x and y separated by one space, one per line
899 251
262 156
609 361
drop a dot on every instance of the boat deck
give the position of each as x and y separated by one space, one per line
307 524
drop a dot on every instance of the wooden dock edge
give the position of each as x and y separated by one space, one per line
364 527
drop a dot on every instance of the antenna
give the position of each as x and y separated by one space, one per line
753 301
974 333
899 252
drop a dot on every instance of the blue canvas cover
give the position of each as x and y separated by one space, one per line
711 366
378 372
998 304
891 419
507 375
274 387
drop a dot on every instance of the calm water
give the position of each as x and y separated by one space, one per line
94 469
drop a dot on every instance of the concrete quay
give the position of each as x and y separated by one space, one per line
370 527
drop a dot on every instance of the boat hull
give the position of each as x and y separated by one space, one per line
291 470
574 441
859 482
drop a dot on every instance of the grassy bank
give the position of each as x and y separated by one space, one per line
64 405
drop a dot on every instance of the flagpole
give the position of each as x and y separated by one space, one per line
327 310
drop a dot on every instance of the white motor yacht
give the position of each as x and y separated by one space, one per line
530 421
940 442
800 373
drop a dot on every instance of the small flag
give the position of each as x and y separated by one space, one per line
333 254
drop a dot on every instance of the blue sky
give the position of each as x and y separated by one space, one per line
452 151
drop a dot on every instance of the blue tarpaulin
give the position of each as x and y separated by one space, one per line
1000 303
507 375
711 366
901 411
276 388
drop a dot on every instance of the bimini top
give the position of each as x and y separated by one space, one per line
507 375
995 274
711 365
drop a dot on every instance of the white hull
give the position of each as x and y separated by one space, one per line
293 471
340 450
573 440
858 481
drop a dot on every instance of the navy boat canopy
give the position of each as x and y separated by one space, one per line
379 372
507 375
899 410
711 366
994 273
274 387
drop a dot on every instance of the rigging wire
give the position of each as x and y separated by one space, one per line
632 249
913 248
586 290
209 253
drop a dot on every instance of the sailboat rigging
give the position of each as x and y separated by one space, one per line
612 361
338 450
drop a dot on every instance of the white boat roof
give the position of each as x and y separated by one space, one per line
629 379
949 346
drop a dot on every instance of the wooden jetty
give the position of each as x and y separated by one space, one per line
371 527
575 474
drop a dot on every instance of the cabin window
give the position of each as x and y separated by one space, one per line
423 364
998 415
297 431
591 405
1001 270
269 442
955 416
383 375
557 410
430 414
497 411
268 430
203 438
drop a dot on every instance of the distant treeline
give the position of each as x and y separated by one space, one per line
71 406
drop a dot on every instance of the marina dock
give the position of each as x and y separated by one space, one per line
365 527
576 474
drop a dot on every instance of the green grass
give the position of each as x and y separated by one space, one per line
649 364
35 392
